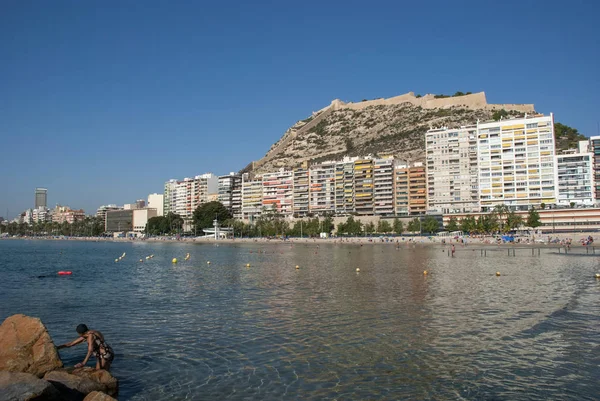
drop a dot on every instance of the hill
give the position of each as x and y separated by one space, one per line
393 126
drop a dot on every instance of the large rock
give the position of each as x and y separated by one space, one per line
16 386
76 384
98 396
26 346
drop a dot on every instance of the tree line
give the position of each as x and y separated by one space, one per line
500 220
89 226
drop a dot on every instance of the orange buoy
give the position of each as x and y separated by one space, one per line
64 273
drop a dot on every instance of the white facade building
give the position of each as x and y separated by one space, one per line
183 197
575 178
141 217
517 166
156 201
452 170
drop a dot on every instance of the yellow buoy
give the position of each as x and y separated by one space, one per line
424 272
297 267
174 260
208 262
247 264
497 273
597 275
141 260
357 269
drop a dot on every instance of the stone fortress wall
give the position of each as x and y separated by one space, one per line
472 101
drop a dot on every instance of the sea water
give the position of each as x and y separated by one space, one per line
194 330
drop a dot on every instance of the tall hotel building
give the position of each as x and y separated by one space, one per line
517 166
452 170
322 188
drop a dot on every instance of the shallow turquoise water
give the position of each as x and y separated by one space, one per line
225 331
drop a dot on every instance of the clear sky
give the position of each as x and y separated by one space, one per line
103 101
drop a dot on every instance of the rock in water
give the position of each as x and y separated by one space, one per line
98 396
26 346
78 383
16 386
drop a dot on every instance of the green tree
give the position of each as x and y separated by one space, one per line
398 227
370 228
414 225
533 218
431 225
384 227
452 224
350 227
572 204
468 224
513 221
205 214
499 114
566 137
542 206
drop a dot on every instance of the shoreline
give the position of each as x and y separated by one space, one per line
560 239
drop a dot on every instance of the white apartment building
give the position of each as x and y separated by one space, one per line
517 166
41 214
278 192
322 188
383 187
575 179
156 201
169 197
229 192
452 170
252 199
183 197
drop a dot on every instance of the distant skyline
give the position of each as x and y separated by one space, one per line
103 102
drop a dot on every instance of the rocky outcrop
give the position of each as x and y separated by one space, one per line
75 384
28 353
16 386
394 126
98 396
26 346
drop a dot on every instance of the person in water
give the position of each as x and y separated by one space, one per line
96 345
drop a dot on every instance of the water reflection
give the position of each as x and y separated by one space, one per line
270 331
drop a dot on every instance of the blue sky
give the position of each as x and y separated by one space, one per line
101 102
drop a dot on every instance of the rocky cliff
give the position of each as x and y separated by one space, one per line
393 126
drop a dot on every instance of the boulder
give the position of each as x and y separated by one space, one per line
98 396
77 383
16 386
26 346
